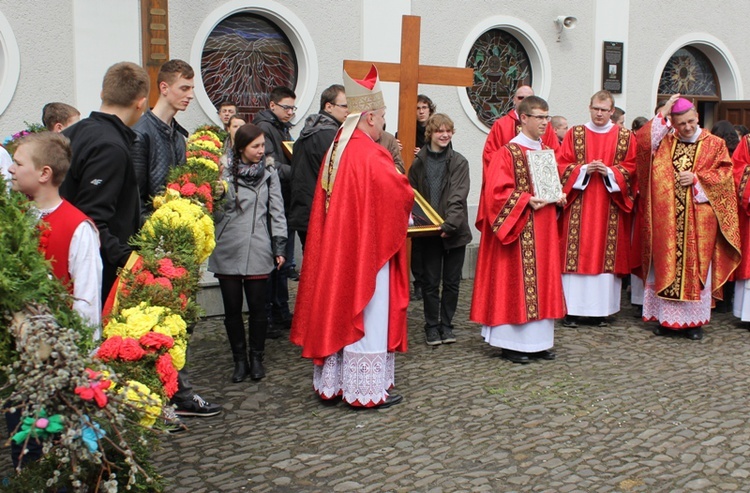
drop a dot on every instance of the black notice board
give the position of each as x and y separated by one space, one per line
612 54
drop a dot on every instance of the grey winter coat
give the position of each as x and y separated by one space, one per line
249 237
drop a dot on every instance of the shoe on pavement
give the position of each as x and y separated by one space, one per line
694 334
432 336
391 400
569 321
516 357
547 354
446 335
197 406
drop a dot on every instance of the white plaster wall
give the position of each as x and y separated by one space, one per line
45 41
334 28
654 30
443 33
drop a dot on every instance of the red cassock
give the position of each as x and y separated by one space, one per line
741 162
364 227
518 274
596 224
503 130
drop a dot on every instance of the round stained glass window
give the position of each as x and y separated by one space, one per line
688 72
243 59
500 65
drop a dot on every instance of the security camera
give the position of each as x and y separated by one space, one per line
566 22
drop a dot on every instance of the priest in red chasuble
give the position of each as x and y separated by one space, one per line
350 313
691 237
518 289
741 161
597 169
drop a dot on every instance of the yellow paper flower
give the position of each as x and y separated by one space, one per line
146 402
115 328
172 325
178 352
192 161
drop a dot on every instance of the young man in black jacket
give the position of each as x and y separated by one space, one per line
275 123
309 150
101 180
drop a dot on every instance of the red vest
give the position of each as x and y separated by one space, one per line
57 231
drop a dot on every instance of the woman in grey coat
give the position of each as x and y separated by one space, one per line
250 243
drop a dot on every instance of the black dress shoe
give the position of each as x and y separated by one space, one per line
547 354
694 334
662 331
389 401
516 357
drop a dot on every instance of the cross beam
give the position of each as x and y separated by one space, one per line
409 74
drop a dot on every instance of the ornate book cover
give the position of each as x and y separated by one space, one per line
544 175
426 220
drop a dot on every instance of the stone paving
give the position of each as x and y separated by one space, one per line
619 411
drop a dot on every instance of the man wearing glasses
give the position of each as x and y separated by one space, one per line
517 290
275 123
596 162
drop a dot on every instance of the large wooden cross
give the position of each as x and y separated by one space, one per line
409 74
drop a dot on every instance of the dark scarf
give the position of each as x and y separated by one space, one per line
250 174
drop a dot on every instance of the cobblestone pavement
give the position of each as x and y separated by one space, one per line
620 410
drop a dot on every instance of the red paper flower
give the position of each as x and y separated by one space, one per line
130 350
164 282
167 374
145 277
169 270
156 340
174 186
188 189
110 349
95 389
184 300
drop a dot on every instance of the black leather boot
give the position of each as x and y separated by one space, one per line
256 365
236 335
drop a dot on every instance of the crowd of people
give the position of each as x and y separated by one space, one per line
660 206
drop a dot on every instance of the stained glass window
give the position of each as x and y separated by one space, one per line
500 65
689 72
243 59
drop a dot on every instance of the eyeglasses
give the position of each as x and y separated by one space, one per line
345 106
600 110
540 117
287 107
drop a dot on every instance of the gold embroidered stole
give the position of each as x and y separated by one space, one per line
576 207
528 250
683 159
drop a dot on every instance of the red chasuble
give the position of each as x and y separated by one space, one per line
518 275
364 227
682 238
503 130
595 225
741 161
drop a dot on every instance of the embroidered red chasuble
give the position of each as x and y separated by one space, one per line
595 225
741 161
363 229
682 238
518 274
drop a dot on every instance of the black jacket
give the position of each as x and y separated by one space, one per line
309 151
101 183
277 132
157 149
452 207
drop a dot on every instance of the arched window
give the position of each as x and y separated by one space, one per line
690 73
244 57
10 63
501 64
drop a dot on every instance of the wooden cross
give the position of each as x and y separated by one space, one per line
409 74
154 41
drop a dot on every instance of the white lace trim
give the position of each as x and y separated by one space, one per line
362 379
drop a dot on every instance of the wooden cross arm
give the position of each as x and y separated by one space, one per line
428 74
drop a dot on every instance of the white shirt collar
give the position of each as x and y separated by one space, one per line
600 130
522 140
692 139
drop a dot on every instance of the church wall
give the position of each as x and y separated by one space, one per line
335 31
653 36
45 41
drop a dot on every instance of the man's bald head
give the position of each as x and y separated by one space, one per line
521 93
